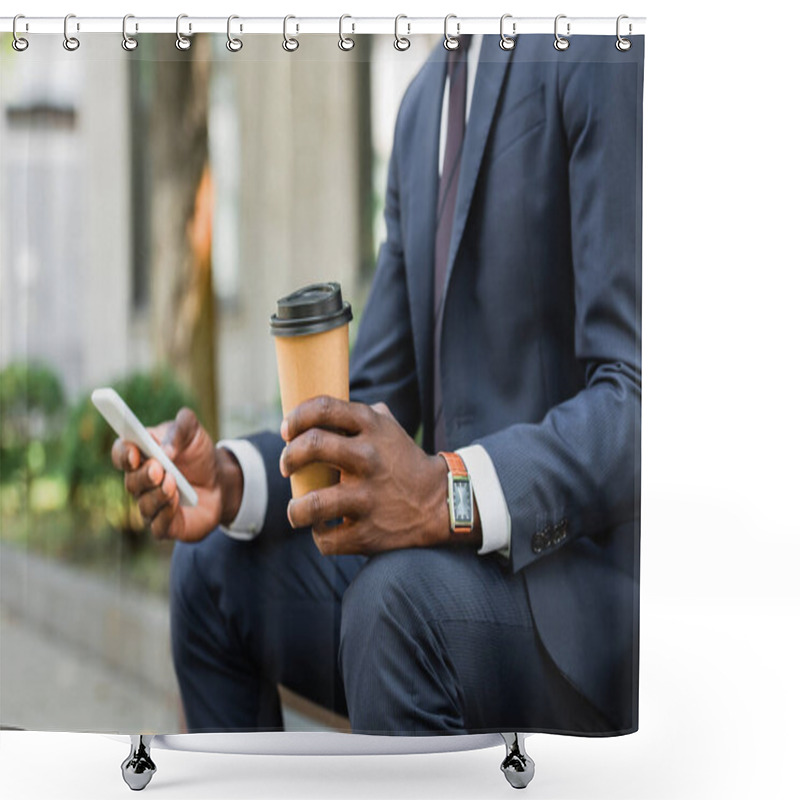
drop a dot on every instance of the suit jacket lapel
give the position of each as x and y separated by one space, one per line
485 94
420 242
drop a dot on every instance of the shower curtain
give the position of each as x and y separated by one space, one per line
480 210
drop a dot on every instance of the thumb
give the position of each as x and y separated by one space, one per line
383 409
180 433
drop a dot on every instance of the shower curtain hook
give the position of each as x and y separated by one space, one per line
290 44
561 43
451 42
182 42
18 42
233 44
128 42
623 44
506 42
401 43
345 42
71 43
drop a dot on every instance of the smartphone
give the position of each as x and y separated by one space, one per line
128 427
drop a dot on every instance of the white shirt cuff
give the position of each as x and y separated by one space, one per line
490 499
250 519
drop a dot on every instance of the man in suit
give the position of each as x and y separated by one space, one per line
504 319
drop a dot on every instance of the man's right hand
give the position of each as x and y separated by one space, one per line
214 473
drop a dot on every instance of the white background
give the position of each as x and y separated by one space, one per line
720 603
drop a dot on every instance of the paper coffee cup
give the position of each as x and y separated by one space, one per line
313 350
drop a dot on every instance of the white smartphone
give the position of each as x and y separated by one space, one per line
128 427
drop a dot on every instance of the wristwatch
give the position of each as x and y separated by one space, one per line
459 494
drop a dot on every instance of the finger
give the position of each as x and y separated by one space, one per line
317 445
169 485
145 478
326 412
322 505
151 502
125 456
165 522
178 435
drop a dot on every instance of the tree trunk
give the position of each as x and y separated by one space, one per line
182 296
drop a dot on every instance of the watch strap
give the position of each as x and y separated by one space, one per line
457 469
455 464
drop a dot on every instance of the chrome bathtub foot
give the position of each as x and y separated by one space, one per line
138 768
517 766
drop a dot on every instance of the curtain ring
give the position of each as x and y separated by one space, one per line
345 42
561 43
290 44
18 42
128 42
506 42
623 44
182 42
233 44
401 43
451 42
71 43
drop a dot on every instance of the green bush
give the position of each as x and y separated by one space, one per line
153 397
32 407
63 498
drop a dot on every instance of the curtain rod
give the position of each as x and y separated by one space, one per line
406 26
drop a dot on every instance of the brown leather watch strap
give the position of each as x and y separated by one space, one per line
455 464
458 471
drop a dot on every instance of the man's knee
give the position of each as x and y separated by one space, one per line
180 570
184 578
196 568
185 593
387 594
392 656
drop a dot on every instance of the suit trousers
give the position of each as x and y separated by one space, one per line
415 641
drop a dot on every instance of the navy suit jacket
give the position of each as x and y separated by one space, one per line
541 354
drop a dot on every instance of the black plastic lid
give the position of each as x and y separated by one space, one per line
312 309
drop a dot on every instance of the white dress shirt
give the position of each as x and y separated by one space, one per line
488 493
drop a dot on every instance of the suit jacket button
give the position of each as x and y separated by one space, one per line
560 531
539 541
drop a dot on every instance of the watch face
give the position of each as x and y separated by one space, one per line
462 501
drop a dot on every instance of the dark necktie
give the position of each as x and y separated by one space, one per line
445 210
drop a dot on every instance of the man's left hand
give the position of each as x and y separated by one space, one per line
391 494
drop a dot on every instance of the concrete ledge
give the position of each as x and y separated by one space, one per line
126 629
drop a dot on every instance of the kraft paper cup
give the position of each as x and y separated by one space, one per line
311 331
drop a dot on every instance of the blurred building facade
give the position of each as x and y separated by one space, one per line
299 145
